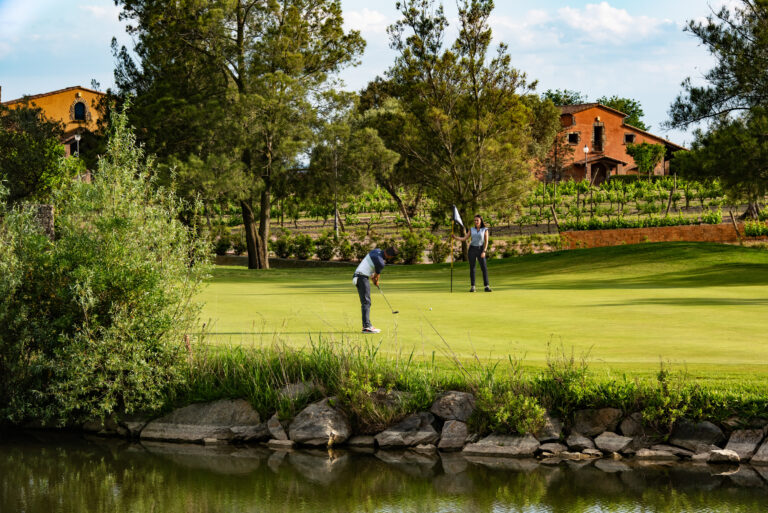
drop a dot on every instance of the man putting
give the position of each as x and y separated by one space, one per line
370 270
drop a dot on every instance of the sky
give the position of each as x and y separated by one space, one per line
599 48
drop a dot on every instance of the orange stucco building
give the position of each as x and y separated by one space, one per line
605 135
75 107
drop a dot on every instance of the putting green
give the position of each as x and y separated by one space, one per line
630 306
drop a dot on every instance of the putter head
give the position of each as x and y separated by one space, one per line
395 311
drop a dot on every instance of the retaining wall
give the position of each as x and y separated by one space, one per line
723 233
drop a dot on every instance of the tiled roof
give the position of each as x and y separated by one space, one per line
32 97
573 109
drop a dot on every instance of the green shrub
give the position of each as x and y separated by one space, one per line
239 245
712 216
92 323
325 246
413 246
301 246
344 249
360 250
502 409
222 241
282 246
755 229
439 250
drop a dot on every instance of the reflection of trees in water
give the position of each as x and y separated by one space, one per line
107 475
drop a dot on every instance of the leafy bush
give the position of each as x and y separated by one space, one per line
325 246
344 249
93 322
413 246
712 216
502 409
238 244
282 246
439 250
755 229
360 250
223 242
301 246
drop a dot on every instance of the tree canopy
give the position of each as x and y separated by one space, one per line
31 155
562 97
737 38
237 79
471 115
628 106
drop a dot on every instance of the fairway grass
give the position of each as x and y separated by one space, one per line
694 305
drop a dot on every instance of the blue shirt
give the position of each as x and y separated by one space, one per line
373 263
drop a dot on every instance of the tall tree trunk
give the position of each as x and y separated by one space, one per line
252 239
264 217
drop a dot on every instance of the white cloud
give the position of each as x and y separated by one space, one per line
107 12
604 22
367 21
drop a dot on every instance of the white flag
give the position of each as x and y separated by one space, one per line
457 217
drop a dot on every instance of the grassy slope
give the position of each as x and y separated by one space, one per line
704 305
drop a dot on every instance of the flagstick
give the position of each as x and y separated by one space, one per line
452 223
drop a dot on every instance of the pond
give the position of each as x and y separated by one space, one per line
44 473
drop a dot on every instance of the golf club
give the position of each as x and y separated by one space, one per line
385 299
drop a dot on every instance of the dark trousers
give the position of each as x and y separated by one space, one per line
474 256
364 291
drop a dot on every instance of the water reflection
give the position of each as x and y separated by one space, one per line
51 474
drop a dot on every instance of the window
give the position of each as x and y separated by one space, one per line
79 111
597 142
573 138
629 138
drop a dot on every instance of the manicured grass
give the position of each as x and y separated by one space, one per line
700 305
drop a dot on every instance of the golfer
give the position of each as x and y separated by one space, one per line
477 248
370 270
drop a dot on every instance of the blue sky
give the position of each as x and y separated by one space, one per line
628 48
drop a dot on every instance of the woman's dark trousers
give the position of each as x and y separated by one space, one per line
474 256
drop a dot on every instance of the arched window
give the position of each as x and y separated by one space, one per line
79 111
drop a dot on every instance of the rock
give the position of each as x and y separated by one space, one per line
577 442
276 428
320 424
700 457
280 444
504 446
650 454
553 448
516 464
677 451
689 435
574 456
761 456
228 419
593 453
611 442
723 456
425 449
552 430
745 442
454 436
413 430
612 466
632 426
134 424
108 427
454 406
361 441
594 422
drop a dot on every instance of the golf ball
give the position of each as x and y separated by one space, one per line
430 308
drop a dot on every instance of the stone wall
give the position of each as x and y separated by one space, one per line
723 233
45 217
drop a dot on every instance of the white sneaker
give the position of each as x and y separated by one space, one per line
371 329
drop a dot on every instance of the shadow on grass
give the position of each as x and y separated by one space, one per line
687 301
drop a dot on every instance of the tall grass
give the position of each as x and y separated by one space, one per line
376 389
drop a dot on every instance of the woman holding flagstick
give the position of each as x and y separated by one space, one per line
477 249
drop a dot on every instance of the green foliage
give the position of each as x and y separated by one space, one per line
628 106
282 245
506 409
345 249
325 246
413 245
32 162
755 229
92 323
302 246
439 250
647 156
564 97
712 216
623 222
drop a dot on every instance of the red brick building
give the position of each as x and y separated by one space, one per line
605 135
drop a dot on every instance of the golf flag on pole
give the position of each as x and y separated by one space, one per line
457 216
